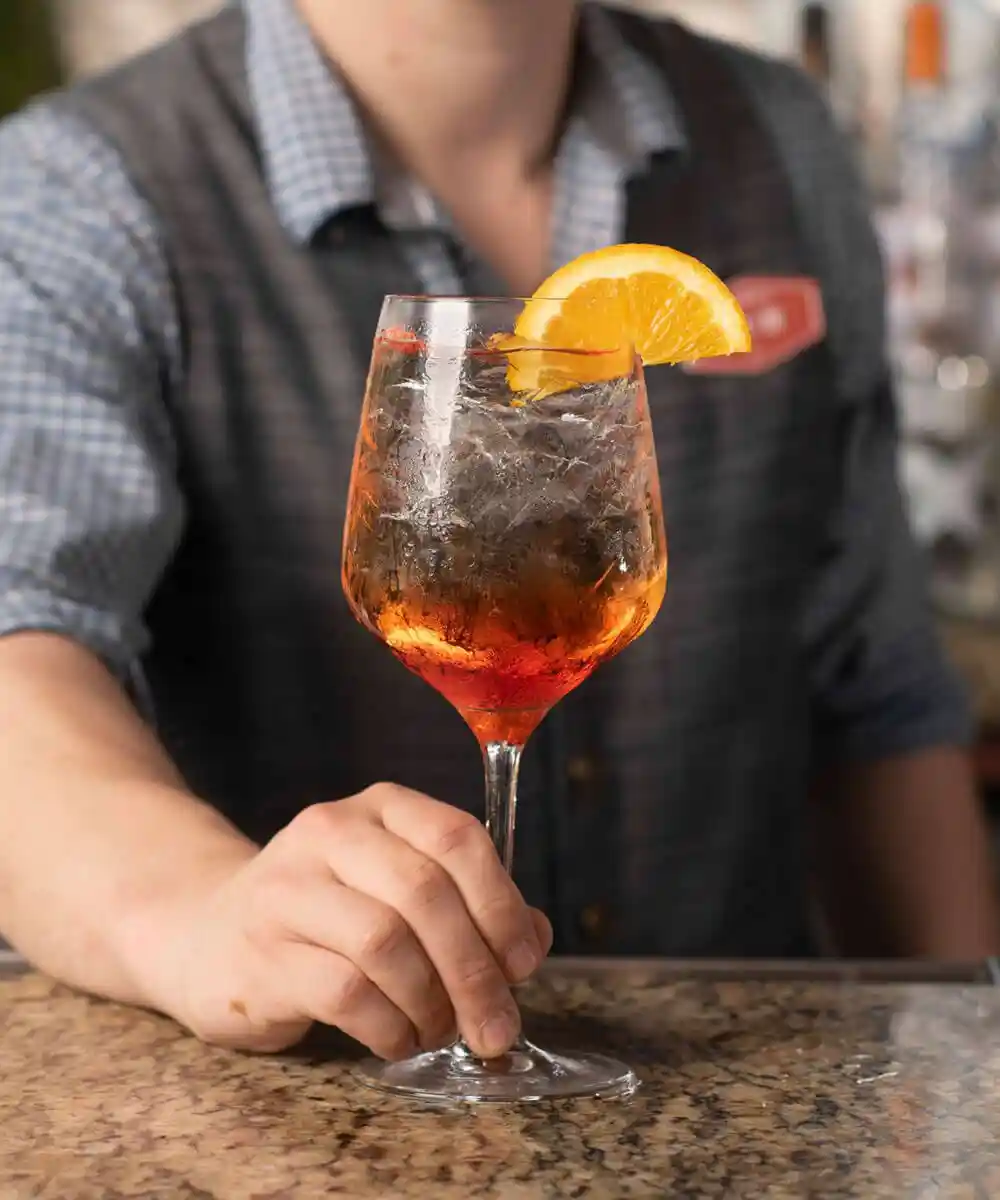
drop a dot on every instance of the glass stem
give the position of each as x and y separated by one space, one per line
502 762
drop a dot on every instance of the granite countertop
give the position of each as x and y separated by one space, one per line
824 1085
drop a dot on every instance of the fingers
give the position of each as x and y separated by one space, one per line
424 898
460 844
375 940
329 988
421 906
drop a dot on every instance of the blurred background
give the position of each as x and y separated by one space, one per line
915 86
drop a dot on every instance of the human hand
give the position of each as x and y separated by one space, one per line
386 914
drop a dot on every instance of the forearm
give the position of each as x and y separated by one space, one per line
97 831
905 858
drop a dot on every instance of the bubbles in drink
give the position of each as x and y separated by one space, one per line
502 551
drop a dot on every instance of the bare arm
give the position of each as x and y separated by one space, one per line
96 828
906 864
903 848
906 856
387 913
90 514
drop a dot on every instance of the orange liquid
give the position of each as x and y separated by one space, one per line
506 662
501 556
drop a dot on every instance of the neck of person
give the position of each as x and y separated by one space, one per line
455 88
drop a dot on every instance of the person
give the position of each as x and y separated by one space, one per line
193 730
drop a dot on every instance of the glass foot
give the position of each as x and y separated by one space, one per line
526 1073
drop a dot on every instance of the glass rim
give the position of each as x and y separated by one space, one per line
496 301
451 297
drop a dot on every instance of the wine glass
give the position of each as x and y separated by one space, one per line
504 537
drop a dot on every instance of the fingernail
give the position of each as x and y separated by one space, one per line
499 1033
522 961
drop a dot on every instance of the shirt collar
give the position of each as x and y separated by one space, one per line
318 157
622 98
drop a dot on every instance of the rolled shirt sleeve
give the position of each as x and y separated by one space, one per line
90 511
881 685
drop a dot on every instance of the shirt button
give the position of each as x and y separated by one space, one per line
594 922
581 770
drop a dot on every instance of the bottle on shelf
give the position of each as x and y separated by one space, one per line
835 74
924 160
983 231
946 382
817 55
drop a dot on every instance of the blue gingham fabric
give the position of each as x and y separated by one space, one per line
90 344
89 510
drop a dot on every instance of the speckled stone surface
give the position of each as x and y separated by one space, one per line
766 1088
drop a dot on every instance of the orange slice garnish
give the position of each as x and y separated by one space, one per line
666 306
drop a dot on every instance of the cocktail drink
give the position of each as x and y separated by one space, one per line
501 551
504 538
